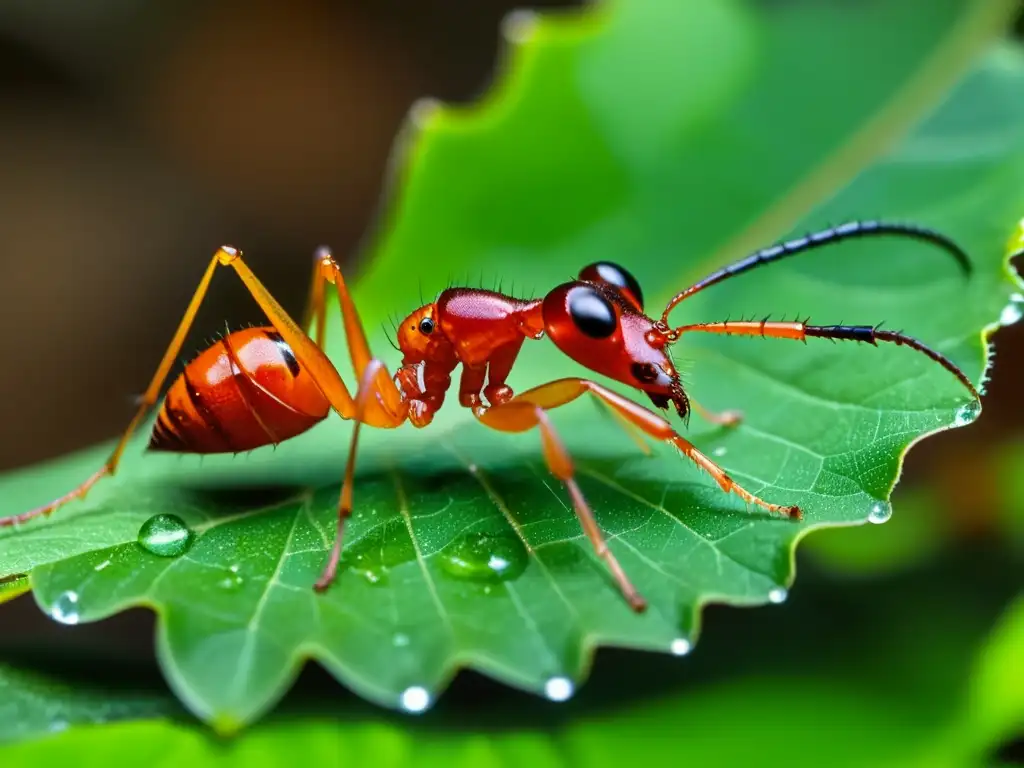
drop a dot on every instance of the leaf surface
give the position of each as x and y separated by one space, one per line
938 707
463 551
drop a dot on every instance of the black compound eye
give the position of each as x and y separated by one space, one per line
645 372
426 326
592 313
614 275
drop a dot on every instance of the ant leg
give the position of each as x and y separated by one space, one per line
518 415
389 396
801 331
147 401
309 355
366 389
315 309
722 418
498 369
563 391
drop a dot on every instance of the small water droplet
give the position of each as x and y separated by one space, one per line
233 579
967 413
1013 311
370 568
778 595
681 646
373 556
484 557
400 640
472 468
165 536
559 688
879 512
101 566
719 451
415 699
65 608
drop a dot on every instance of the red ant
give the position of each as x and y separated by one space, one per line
264 385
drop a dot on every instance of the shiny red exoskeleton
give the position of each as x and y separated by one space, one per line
261 386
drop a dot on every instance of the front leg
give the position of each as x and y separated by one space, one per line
530 409
424 386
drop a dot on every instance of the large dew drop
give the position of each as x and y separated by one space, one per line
967 413
165 536
680 646
415 699
879 512
484 557
65 608
559 688
1013 311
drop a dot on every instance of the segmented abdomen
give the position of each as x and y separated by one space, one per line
245 391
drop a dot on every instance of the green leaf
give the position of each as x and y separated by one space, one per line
594 147
858 700
912 537
13 586
995 709
32 705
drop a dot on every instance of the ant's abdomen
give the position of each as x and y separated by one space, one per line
245 391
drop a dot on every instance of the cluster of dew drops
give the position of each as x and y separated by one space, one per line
478 557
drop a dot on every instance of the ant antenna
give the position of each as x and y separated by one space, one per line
848 231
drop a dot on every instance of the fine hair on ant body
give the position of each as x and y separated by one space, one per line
264 385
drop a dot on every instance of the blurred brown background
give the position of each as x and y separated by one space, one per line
136 137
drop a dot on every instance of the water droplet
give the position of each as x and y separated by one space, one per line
373 556
400 640
165 536
484 557
415 699
1013 311
880 512
65 608
778 595
967 413
101 566
681 646
233 579
559 688
719 451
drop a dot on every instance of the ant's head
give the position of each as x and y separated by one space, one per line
598 320
420 337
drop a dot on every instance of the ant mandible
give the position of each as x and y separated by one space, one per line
264 385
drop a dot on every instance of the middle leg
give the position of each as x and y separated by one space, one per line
529 410
563 391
